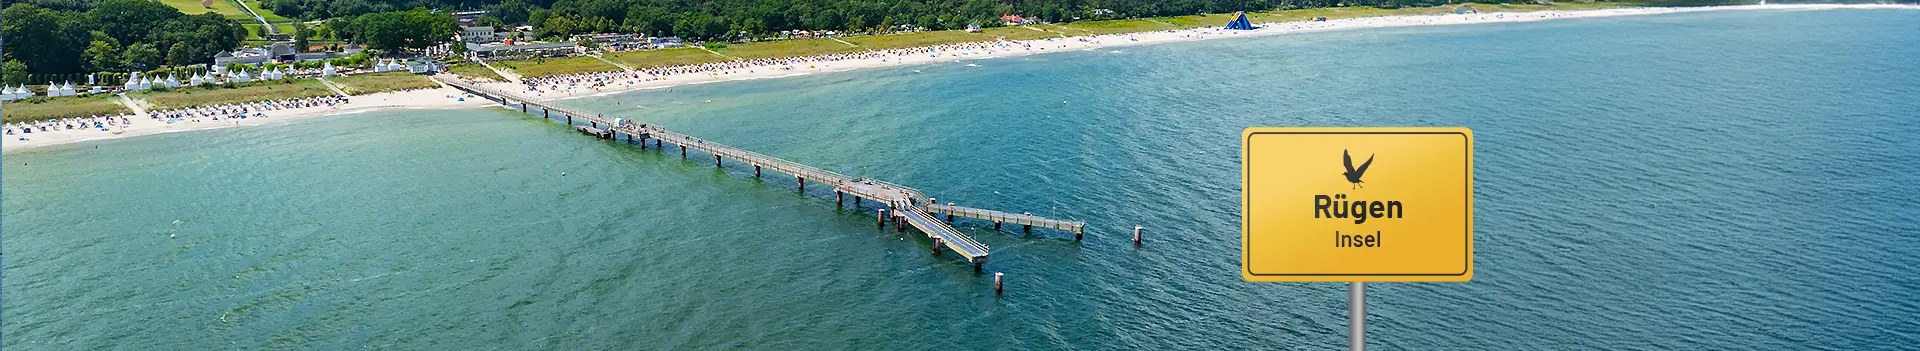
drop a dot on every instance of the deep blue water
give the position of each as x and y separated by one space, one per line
1731 180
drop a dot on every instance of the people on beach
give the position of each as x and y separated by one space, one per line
257 109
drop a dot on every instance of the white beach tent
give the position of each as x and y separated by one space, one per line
133 82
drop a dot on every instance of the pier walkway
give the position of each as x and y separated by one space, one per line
910 206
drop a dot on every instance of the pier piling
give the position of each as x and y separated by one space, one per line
996 282
716 161
881 221
756 171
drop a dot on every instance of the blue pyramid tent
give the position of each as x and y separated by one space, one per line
1240 22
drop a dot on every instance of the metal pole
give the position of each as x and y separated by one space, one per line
1357 316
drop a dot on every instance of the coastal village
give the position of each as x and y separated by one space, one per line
278 79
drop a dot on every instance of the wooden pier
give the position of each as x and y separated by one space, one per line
909 206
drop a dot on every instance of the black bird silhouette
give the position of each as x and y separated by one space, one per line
1353 174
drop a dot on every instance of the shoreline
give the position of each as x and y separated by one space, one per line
141 125
445 97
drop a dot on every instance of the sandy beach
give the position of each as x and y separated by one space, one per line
143 125
450 98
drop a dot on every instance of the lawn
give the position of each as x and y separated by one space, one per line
1118 26
475 71
1196 21
919 39
553 66
786 48
267 14
1020 33
368 83
1072 32
256 32
664 57
192 7
245 92
38 109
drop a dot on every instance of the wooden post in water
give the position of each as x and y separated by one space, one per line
803 183
546 113
683 151
949 218
656 143
996 282
996 225
882 220
936 246
839 199
1028 227
716 160
569 118
756 171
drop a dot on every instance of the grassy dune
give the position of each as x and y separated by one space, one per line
362 84
664 57
1020 33
475 71
547 67
62 107
1119 26
917 39
786 48
246 92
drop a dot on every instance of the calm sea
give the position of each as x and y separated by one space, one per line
1734 180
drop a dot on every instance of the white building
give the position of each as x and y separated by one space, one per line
480 35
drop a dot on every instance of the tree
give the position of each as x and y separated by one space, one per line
414 29
177 55
103 55
301 34
13 72
511 11
47 41
650 20
131 21
142 56
203 35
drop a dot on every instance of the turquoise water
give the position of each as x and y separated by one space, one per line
1739 180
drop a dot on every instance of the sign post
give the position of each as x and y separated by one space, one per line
1356 205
